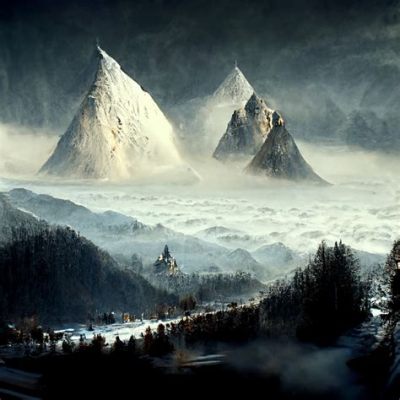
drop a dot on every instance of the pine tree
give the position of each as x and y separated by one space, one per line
322 300
393 272
147 340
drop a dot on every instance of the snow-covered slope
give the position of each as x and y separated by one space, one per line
65 212
117 132
13 220
247 129
39 262
123 236
279 157
117 233
242 260
235 89
276 254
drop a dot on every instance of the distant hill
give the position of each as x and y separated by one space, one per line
117 233
60 276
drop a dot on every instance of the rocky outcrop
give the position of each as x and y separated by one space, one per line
247 129
279 157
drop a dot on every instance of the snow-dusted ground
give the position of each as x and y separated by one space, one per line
110 332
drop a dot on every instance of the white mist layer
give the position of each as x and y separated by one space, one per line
23 150
361 207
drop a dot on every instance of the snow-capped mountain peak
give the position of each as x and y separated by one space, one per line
235 88
247 129
107 61
118 130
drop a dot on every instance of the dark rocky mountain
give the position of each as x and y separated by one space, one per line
247 129
279 157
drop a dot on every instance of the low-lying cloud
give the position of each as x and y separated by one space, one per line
23 150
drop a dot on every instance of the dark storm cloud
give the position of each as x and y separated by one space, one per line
177 49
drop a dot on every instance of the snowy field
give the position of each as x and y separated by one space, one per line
110 332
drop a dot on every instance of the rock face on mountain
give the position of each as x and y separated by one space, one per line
279 157
247 129
117 131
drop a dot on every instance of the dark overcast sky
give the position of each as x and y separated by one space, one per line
180 48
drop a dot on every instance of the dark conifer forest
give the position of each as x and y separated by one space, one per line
60 276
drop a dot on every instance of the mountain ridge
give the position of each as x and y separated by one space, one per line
56 274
